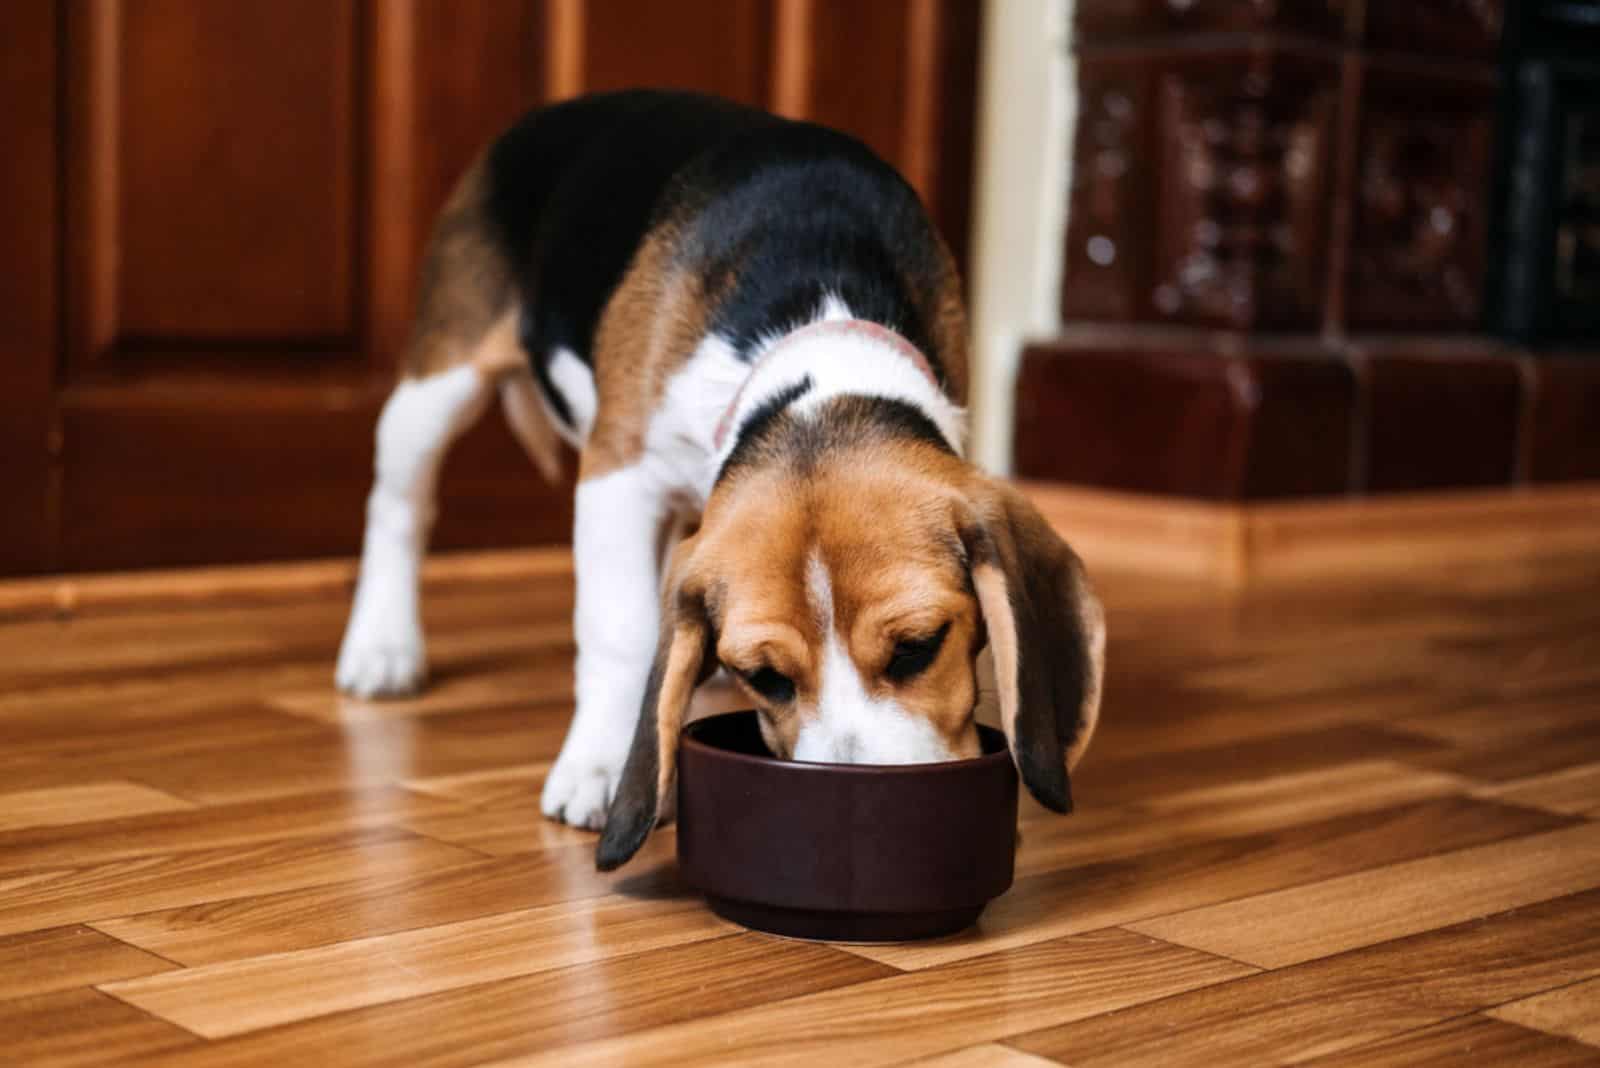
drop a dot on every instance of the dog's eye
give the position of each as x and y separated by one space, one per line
772 685
913 655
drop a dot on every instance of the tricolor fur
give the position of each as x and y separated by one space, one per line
751 332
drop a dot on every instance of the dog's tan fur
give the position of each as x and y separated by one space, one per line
649 329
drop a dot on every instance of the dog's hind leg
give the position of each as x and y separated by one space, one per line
462 344
383 652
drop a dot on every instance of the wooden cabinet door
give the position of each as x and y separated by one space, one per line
220 208
247 186
30 308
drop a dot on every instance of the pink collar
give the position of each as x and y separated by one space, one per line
858 328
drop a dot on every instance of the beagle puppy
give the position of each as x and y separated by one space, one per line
750 331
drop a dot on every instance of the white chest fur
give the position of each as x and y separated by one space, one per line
842 362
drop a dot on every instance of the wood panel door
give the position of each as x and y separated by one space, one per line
220 209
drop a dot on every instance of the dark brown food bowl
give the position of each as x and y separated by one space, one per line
842 852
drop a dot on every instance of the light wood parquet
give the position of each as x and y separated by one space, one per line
1335 823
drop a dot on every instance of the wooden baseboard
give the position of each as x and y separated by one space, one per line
1285 541
116 591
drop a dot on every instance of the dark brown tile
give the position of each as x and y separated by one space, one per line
1190 423
1096 20
1440 420
1302 428
1109 230
1420 201
1562 430
1202 193
1155 422
1436 28
1243 150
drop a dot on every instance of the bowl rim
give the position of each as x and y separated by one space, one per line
970 764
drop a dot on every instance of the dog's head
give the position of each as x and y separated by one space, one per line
848 576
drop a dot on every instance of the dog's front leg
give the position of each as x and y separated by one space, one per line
618 522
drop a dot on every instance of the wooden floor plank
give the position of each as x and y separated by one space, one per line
1339 1003
548 1010
1466 1040
384 902
1490 723
50 897
485 786
1176 717
508 826
1334 915
1519 757
66 743
470 666
193 819
1121 892
80 1027
238 996
1248 806
1572 1010
61 958
161 834
1141 777
922 1013
56 806
1574 790
471 685
364 755
149 643
988 1055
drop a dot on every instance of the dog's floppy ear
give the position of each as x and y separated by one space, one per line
683 660
1047 632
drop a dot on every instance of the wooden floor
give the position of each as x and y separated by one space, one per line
1343 825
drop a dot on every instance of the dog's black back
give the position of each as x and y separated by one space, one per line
777 214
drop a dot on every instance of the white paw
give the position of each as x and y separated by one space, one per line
582 782
381 656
